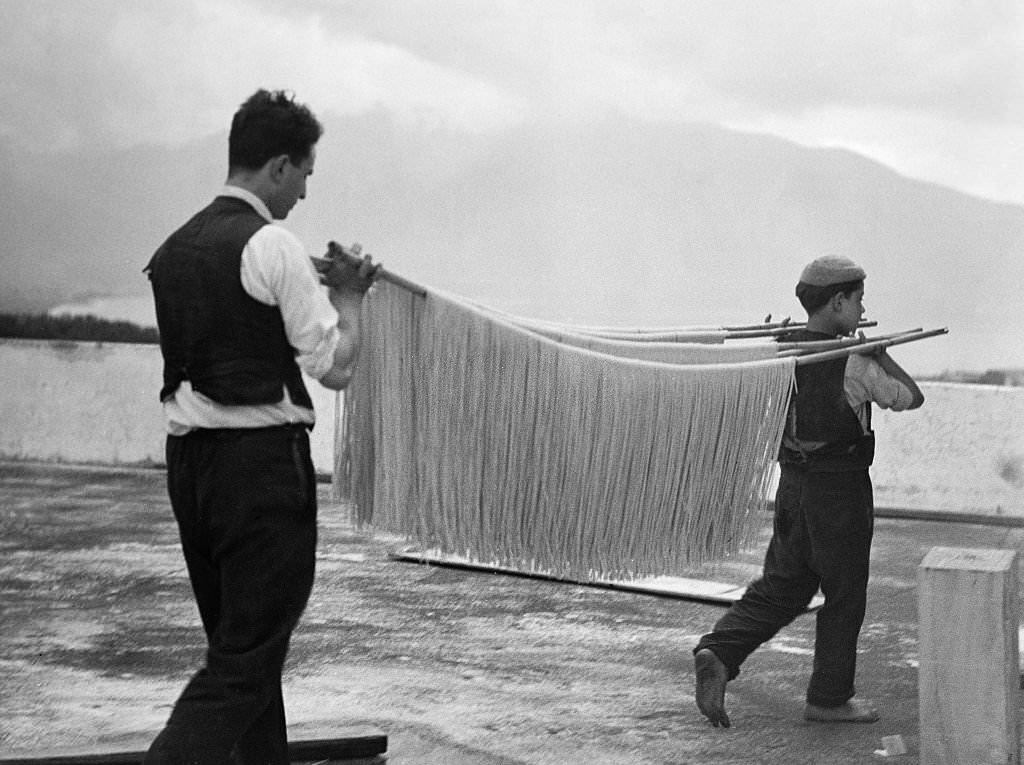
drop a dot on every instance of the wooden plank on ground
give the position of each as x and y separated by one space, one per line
684 588
969 681
356 744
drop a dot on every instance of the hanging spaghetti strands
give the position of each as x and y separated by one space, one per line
689 334
477 437
549 449
692 334
700 347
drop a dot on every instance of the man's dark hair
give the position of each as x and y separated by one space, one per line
813 297
269 124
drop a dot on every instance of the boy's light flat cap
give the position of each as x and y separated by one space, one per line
831 269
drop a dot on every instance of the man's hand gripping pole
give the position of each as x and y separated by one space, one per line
343 268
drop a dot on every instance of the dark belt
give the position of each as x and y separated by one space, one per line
221 433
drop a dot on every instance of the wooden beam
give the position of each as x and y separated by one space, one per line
677 587
358 744
969 678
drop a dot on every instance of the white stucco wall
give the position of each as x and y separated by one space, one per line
97 403
962 451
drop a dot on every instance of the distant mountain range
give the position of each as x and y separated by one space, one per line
616 222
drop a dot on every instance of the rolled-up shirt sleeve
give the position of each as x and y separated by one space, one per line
277 271
866 381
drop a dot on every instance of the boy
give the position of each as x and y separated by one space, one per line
823 509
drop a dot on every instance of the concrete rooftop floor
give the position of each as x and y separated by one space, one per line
456 667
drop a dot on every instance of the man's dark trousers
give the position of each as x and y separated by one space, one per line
245 502
821 538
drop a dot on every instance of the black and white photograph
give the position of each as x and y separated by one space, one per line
451 382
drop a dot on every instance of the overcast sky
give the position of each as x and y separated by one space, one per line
932 88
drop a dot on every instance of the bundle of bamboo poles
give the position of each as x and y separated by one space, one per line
547 448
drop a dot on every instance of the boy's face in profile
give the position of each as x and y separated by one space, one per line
848 310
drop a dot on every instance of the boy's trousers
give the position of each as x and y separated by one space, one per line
245 502
821 538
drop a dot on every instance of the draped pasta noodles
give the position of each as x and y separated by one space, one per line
674 347
473 434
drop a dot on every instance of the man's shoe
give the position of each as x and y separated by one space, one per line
853 710
711 679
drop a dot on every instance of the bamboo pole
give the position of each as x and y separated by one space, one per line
664 336
766 324
669 329
335 250
745 334
684 334
735 332
868 347
676 334
786 323
813 346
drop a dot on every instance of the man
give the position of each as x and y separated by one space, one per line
241 311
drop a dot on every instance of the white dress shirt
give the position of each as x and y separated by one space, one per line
865 381
276 271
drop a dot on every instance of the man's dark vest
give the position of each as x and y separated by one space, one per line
823 432
231 347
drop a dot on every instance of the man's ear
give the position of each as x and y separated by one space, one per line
836 302
277 166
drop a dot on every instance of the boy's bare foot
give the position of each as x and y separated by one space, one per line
711 679
853 710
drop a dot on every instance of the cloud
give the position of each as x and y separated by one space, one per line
123 70
123 73
934 90
684 59
898 80
942 57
